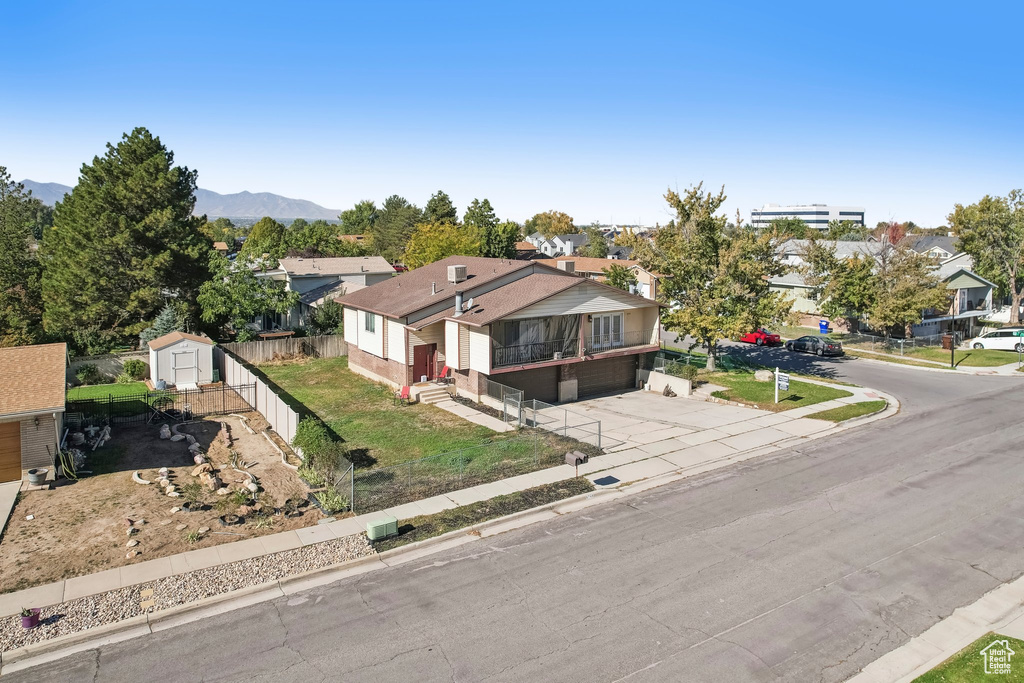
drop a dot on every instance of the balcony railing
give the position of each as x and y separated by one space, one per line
504 356
610 342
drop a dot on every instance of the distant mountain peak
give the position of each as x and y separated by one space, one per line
243 204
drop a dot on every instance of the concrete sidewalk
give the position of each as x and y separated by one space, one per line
692 437
8 497
1001 611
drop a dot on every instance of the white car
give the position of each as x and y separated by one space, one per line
1003 340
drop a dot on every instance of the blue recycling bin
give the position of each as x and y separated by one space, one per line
823 326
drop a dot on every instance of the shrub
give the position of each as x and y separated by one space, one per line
311 436
193 493
88 374
688 372
135 368
124 378
331 501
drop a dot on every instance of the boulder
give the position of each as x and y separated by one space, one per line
199 458
223 491
214 484
178 437
165 432
764 376
204 467
191 439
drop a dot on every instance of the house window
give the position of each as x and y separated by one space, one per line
606 330
369 322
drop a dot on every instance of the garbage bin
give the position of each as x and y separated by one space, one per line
823 326
947 341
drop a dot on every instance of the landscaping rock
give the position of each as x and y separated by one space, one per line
181 527
175 509
223 491
132 530
132 553
205 467
164 522
191 439
199 458
165 432
203 529
178 437
138 522
213 483
131 544
764 376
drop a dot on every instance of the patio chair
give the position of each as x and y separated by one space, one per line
445 377
402 396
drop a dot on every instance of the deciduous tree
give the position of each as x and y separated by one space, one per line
266 236
327 318
846 288
434 241
124 240
717 283
597 243
234 295
550 223
992 232
906 287
620 276
359 219
499 240
790 228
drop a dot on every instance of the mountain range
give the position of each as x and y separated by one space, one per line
217 205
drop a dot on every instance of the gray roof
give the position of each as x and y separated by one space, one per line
577 239
927 242
792 279
954 265
347 265
335 288
843 248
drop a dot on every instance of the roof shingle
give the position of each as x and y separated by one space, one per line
32 378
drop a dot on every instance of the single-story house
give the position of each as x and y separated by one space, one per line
181 360
221 248
318 280
524 324
31 407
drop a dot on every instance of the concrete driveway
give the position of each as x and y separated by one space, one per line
646 434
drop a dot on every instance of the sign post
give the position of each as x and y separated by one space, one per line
1020 346
781 382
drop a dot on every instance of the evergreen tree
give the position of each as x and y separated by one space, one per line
393 226
122 240
440 209
166 322
20 313
480 214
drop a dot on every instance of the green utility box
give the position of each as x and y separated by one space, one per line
382 528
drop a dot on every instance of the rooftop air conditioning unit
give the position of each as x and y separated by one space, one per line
567 266
382 528
456 274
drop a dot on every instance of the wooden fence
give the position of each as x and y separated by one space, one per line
325 346
282 417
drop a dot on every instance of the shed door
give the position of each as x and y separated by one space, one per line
184 364
10 451
606 375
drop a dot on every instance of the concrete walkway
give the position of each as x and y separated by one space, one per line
474 416
8 496
1001 611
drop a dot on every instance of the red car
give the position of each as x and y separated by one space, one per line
761 338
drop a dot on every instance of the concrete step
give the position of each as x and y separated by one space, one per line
431 396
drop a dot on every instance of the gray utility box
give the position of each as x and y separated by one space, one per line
575 458
382 528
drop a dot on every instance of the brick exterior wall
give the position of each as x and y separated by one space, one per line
378 369
470 383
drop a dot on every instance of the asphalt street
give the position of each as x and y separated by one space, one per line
804 565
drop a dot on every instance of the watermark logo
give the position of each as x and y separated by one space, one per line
997 656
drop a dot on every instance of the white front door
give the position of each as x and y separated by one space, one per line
184 364
607 330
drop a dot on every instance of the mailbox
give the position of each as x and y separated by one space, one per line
575 458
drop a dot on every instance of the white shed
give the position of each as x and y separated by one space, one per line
181 360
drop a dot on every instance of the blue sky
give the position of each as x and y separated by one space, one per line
589 108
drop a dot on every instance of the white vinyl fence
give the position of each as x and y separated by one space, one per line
323 346
283 418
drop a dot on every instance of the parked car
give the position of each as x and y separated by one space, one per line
821 346
761 337
1005 339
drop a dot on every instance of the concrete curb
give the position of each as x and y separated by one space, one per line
971 372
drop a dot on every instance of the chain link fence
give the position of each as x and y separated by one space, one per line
552 418
869 342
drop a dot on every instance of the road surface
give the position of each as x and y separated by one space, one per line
805 565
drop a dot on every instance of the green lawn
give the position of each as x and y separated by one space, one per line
743 388
896 360
364 413
105 390
968 665
980 358
848 412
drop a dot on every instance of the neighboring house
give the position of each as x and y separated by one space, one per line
182 360
358 239
524 324
559 245
938 247
221 248
619 253
526 251
31 407
803 297
318 280
970 300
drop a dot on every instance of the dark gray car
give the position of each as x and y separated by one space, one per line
821 346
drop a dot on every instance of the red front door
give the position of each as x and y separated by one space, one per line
423 361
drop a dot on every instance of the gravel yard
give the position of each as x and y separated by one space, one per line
106 608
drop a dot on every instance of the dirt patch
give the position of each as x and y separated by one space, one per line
82 527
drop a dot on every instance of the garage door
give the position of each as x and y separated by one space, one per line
607 375
540 383
10 451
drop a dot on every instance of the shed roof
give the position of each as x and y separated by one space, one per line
172 337
341 265
33 378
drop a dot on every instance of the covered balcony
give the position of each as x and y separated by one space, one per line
534 340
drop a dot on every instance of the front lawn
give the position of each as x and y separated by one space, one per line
850 411
968 665
896 360
743 388
364 414
975 358
105 390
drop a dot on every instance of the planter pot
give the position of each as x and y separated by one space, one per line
32 620
37 477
